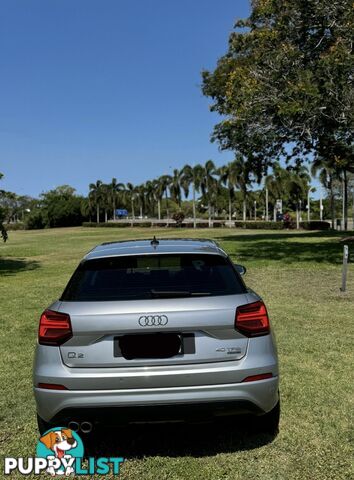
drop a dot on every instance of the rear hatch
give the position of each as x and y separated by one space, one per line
153 310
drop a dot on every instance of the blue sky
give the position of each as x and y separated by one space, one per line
99 89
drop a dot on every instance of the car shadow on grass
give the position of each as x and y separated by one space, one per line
11 266
287 247
177 439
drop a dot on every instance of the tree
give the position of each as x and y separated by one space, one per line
327 174
285 84
3 232
208 184
165 181
60 207
132 193
192 176
243 170
175 186
114 188
96 195
229 176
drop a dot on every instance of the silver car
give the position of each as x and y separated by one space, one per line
155 331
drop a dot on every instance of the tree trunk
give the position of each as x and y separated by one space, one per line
194 212
244 210
133 216
114 210
141 211
98 213
333 213
230 208
209 214
345 192
297 217
308 207
158 209
105 215
267 206
167 212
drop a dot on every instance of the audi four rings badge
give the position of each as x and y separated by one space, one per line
153 320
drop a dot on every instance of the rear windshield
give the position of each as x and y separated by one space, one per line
153 276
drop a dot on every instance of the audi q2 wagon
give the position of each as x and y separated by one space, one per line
155 331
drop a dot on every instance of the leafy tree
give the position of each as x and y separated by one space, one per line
285 85
60 207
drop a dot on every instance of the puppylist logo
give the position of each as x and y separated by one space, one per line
60 451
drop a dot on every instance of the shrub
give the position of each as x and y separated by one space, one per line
315 225
178 217
35 220
260 225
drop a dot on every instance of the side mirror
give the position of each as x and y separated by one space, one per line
240 268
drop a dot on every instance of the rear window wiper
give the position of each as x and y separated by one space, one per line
176 293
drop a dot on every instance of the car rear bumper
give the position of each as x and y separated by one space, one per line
62 405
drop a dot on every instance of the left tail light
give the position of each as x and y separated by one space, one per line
54 328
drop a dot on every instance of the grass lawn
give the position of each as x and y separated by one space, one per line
298 275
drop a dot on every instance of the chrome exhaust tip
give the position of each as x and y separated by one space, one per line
86 427
74 426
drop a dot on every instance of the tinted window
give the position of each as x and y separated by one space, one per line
153 276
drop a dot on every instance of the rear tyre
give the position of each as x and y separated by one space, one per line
43 426
269 422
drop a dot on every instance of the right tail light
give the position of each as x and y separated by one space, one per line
252 319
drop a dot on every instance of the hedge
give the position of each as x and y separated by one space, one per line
313 225
14 226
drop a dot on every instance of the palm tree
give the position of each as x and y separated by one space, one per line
175 186
276 183
131 190
327 173
114 188
297 184
141 196
159 189
229 178
242 173
192 176
165 182
96 194
208 184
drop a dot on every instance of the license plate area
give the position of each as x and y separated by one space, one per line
154 345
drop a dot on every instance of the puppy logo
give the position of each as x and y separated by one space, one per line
60 441
60 446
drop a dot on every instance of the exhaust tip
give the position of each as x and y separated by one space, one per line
74 426
86 427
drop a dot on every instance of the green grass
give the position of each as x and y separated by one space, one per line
298 275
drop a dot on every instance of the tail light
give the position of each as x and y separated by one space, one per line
255 378
51 386
252 319
54 328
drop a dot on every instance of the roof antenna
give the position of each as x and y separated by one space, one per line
154 241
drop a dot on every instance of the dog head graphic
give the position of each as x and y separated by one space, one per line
59 441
